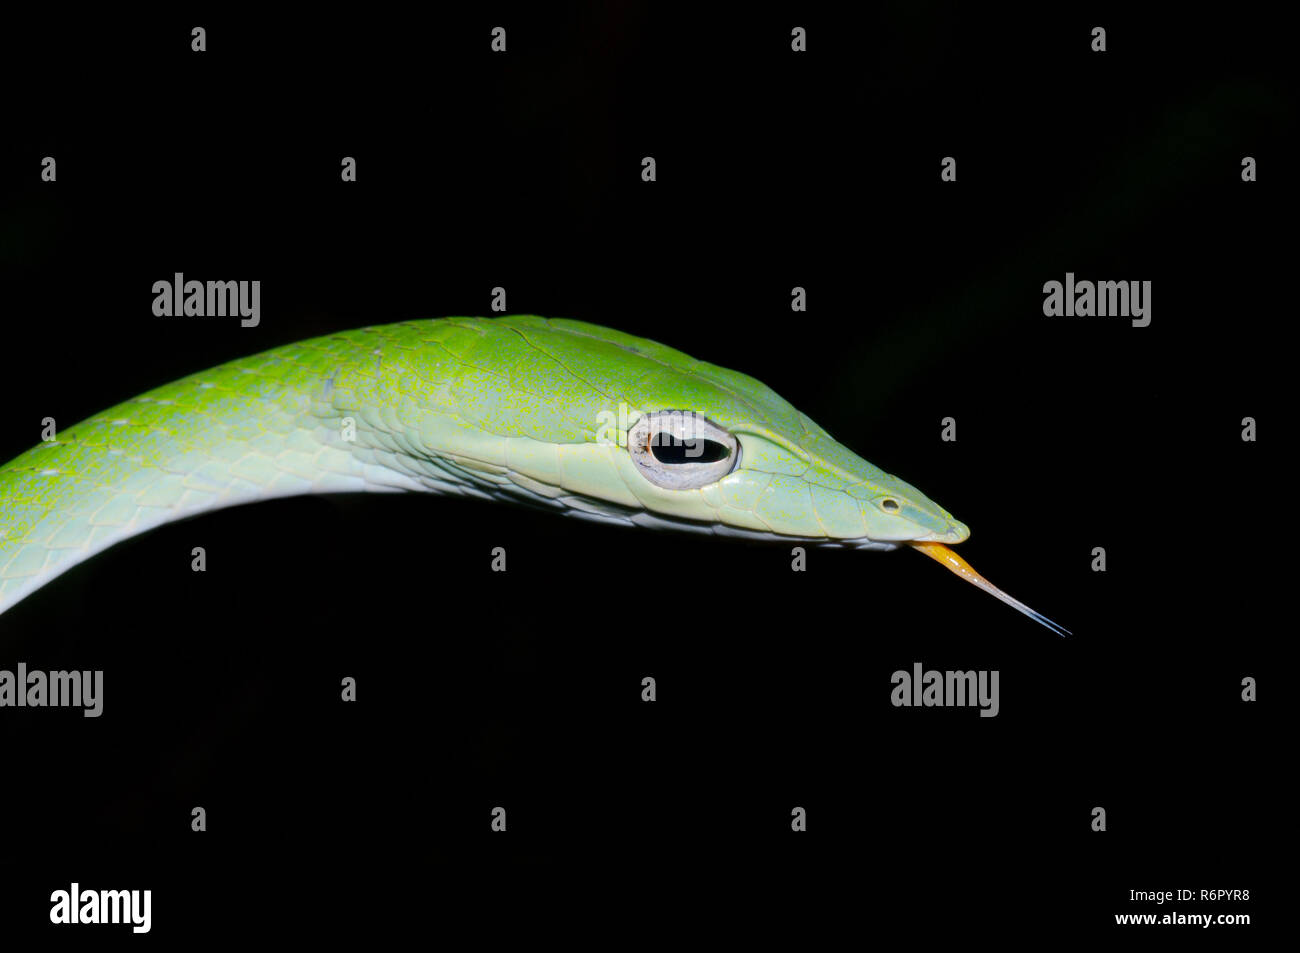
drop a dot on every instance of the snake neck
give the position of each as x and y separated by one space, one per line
258 428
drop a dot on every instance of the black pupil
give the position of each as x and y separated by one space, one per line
670 449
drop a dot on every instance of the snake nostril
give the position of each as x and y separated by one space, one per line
890 506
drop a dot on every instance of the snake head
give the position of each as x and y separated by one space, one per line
764 480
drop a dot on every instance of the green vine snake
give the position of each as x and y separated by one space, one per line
590 421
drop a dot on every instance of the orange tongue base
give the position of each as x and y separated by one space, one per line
941 553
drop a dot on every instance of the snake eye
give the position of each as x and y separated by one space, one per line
681 450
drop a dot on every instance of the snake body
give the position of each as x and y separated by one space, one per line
554 412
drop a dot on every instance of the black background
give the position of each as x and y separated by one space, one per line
522 689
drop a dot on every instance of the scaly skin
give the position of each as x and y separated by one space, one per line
516 407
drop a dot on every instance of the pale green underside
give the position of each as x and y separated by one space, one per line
517 407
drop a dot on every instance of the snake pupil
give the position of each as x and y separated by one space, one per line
670 449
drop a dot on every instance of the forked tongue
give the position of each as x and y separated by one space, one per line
945 556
